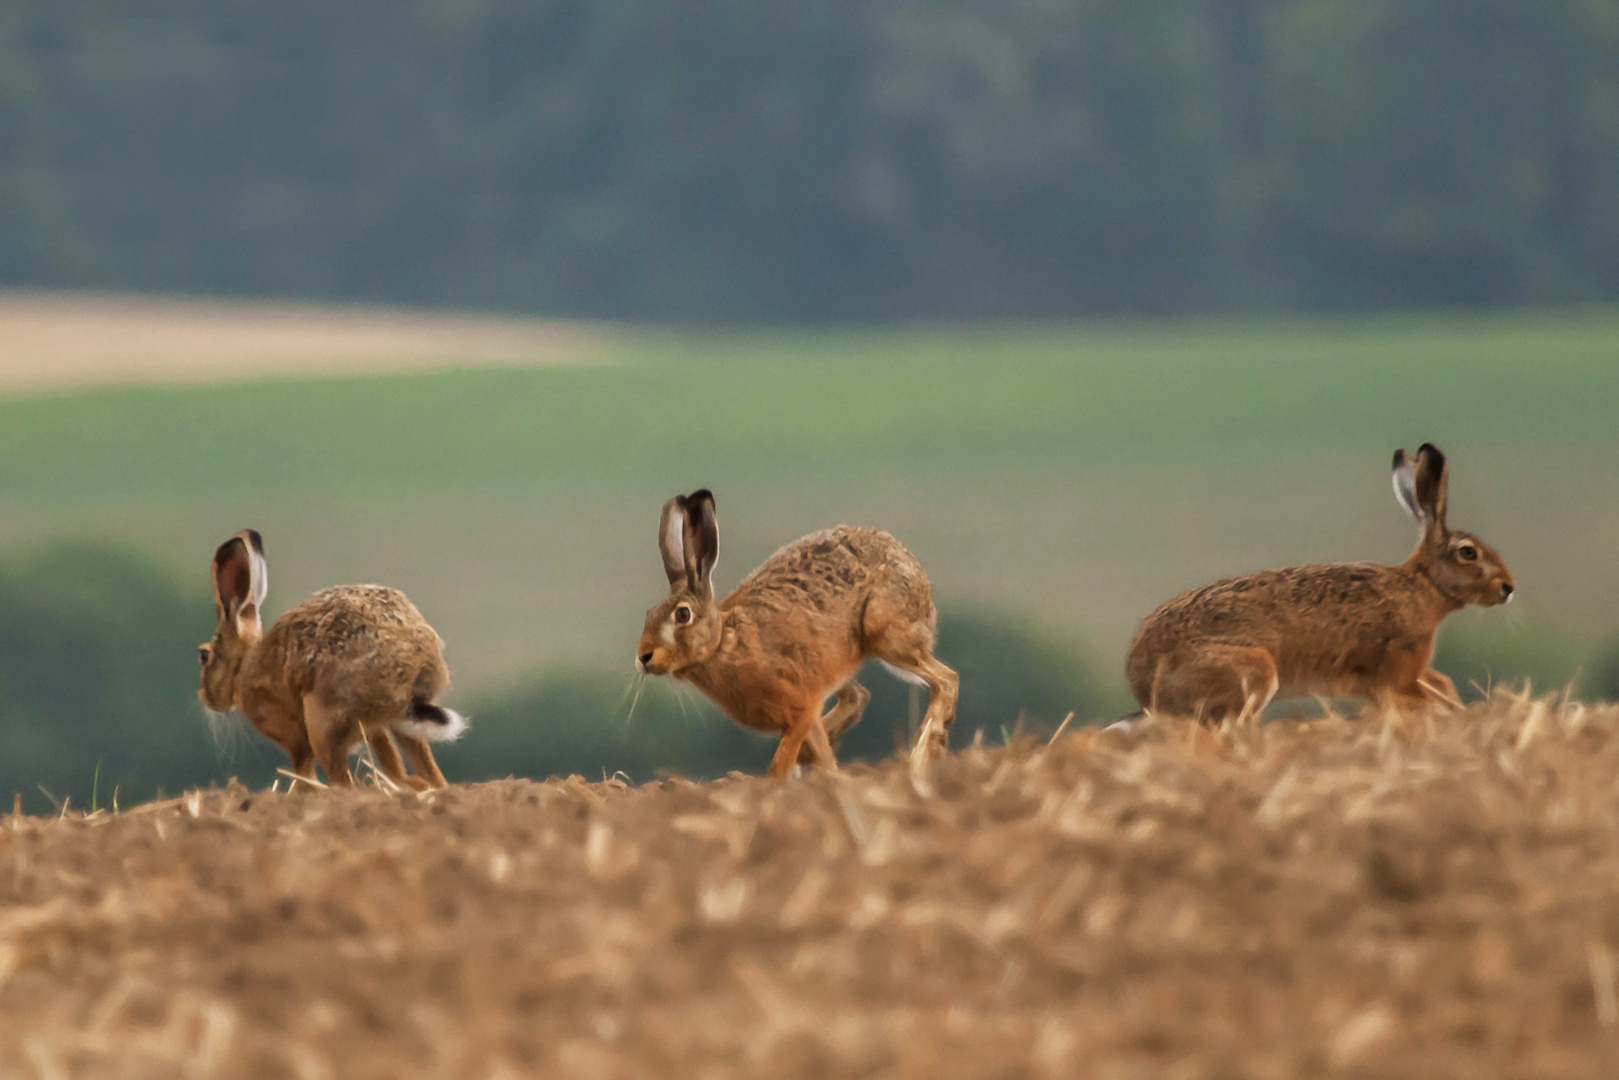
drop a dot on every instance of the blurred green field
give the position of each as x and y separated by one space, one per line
1066 478
1075 474
1079 475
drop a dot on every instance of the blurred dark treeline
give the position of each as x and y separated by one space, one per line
98 694
724 161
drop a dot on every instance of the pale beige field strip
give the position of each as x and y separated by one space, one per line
68 340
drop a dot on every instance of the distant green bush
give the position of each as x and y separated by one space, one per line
582 723
1601 679
1480 653
98 671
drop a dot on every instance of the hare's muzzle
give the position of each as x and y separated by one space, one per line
650 663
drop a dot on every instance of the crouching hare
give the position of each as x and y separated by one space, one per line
795 632
353 663
1363 630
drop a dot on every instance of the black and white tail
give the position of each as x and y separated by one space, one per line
432 722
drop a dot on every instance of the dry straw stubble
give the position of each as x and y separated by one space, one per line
1405 895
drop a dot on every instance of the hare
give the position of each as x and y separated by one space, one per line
796 631
350 663
1363 630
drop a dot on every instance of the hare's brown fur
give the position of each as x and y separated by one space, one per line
796 631
350 663
1363 630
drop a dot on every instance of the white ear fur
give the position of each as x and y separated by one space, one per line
249 617
1405 485
672 541
244 612
260 572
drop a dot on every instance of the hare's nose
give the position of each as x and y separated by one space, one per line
1507 589
646 658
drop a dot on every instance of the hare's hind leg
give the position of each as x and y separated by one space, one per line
330 735
388 760
898 627
1219 682
908 650
847 709
944 686
421 759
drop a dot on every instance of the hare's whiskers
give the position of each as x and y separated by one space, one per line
637 686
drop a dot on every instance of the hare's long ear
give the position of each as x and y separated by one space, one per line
672 541
701 541
1432 484
241 582
1405 483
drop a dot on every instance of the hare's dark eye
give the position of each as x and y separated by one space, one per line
1468 553
203 654
682 615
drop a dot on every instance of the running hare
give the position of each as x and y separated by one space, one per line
1361 630
350 663
795 631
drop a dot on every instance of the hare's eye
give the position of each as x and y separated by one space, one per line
682 615
203 653
1468 553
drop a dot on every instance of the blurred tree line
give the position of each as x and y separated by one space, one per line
98 675
720 161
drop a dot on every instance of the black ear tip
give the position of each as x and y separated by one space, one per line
1399 458
255 540
1433 454
696 499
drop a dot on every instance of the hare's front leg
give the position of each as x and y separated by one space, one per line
303 761
845 713
1437 686
330 736
806 732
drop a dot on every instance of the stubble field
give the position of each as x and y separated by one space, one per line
1423 895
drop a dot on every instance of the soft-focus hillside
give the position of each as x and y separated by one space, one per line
1423 895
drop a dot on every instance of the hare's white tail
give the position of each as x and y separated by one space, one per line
432 722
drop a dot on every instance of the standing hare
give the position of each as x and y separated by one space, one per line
796 631
1362 630
352 663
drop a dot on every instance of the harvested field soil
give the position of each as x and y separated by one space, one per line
1429 895
71 340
